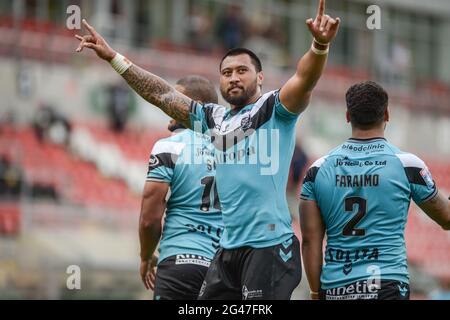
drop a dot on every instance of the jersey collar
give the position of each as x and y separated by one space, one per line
366 140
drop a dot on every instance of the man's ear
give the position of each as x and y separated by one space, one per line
386 115
260 78
347 116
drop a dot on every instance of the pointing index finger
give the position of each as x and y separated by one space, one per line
89 28
321 8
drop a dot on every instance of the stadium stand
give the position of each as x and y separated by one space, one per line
76 180
10 218
133 143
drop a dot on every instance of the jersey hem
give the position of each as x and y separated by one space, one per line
259 244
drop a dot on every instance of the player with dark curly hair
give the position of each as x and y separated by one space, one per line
359 195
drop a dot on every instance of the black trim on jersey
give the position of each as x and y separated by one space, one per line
414 176
368 139
432 195
304 197
162 160
208 110
193 107
263 115
311 174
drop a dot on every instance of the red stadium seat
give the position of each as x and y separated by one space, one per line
10 219
77 181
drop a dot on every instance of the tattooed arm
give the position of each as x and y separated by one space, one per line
149 86
158 92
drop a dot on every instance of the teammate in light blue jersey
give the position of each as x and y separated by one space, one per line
359 195
183 163
193 222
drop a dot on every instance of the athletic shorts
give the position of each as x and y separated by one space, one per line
365 290
247 273
180 277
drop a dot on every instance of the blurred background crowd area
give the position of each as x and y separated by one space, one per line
75 140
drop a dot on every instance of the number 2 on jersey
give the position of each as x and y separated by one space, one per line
349 229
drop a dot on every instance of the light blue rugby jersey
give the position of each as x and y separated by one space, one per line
193 223
253 151
363 189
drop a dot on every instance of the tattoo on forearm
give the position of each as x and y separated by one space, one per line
158 92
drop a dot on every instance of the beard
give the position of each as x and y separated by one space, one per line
240 100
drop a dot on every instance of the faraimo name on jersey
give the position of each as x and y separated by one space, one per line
357 181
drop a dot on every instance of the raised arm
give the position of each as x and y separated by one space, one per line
149 86
296 92
159 93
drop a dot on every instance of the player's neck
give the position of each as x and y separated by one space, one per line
367 134
250 101
174 133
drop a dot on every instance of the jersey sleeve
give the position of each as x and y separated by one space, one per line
281 112
423 188
308 192
163 160
308 188
201 116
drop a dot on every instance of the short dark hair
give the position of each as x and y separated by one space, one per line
238 51
199 89
366 104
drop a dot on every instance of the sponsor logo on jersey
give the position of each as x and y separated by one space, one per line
358 290
251 294
363 148
154 161
346 162
349 257
202 289
426 175
246 122
192 259
235 156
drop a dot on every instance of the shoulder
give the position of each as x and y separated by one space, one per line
319 162
416 170
212 113
314 169
409 160
269 98
211 108
172 145
263 107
